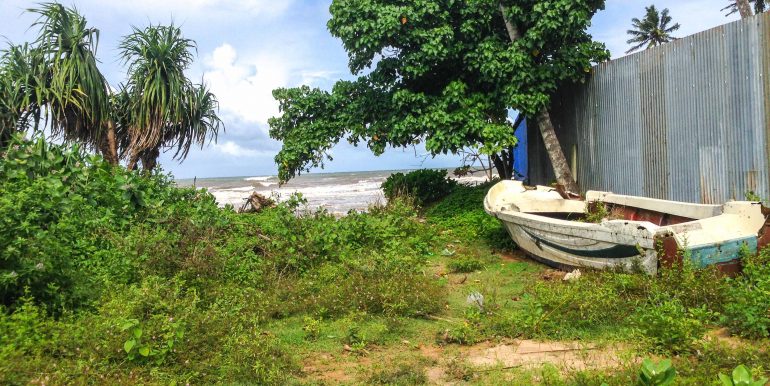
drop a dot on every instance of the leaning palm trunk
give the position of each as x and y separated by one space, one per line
744 8
552 146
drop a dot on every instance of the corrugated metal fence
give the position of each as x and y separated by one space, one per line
686 121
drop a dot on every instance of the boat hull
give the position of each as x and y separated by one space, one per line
570 246
537 220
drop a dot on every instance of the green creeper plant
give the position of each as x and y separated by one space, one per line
741 376
137 346
443 73
656 374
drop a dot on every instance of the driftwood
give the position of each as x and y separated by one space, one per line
256 203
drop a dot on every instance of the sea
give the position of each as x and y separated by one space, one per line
338 193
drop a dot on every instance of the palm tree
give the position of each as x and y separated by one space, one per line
164 108
200 122
22 82
651 31
74 93
55 83
736 6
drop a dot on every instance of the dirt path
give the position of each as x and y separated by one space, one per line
448 364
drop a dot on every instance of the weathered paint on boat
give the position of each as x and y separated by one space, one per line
538 220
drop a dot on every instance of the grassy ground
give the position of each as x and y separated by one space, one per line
464 343
108 277
574 344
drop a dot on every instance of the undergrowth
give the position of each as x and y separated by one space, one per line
116 277
462 214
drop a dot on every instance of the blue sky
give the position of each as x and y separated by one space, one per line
247 48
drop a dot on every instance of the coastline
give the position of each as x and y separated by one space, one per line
337 192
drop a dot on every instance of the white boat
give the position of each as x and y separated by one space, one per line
638 232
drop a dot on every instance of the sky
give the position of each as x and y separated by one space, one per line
247 48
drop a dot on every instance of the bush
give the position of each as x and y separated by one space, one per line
670 326
670 311
60 210
124 276
462 212
465 265
747 310
425 185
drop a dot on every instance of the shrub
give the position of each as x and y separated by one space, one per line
465 264
124 276
462 212
670 326
60 210
671 311
425 185
747 309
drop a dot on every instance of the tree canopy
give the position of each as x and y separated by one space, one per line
443 72
653 30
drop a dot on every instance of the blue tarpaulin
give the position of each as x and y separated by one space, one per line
520 164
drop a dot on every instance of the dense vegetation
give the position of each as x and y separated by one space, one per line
108 276
425 186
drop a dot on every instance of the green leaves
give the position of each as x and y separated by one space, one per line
656 374
164 108
129 345
741 376
654 29
443 73
139 349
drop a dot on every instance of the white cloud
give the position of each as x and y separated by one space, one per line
244 86
233 149
200 9
311 78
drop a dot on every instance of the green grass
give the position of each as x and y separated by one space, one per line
207 295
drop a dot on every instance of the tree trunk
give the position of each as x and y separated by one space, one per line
552 146
513 32
133 159
503 165
109 145
150 159
744 8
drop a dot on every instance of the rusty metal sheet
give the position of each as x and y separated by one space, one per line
688 120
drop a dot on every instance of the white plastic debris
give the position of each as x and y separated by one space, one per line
476 299
572 276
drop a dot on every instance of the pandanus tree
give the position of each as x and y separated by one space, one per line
442 73
164 109
743 7
22 82
654 29
55 82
